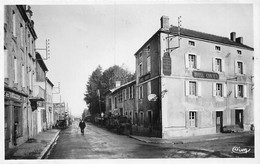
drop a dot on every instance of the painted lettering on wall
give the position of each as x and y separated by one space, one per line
205 75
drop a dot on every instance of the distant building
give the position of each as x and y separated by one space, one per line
49 104
201 82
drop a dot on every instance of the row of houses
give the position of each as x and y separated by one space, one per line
188 83
28 92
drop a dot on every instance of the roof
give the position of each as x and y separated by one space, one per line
41 62
122 86
206 36
196 34
49 81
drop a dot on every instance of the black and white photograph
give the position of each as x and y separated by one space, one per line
149 81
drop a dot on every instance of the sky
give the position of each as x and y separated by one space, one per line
85 36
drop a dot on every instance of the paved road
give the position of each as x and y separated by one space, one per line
99 143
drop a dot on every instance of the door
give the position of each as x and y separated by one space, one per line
239 118
219 121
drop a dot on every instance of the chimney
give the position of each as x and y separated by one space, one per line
118 84
233 36
165 22
29 12
239 40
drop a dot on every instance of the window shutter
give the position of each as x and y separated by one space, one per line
224 89
214 89
244 68
6 63
245 90
213 64
199 88
236 90
198 61
187 121
223 65
187 60
199 118
213 118
187 88
236 69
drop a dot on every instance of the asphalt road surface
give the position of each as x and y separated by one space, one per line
98 143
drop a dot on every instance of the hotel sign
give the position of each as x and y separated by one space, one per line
205 75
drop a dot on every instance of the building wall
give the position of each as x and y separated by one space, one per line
16 77
176 104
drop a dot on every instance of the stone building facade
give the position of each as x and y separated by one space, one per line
201 82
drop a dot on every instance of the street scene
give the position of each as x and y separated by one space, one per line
129 81
96 143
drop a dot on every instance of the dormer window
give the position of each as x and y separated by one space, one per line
217 48
191 43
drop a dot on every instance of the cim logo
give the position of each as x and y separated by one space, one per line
239 150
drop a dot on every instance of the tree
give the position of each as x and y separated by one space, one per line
103 81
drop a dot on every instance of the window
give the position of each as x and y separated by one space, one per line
23 75
140 69
217 48
148 48
241 91
21 35
15 70
14 24
120 97
191 43
115 99
141 92
6 63
30 79
192 61
239 52
126 114
131 92
240 67
140 56
148 64
148 88
218 66
219 90
125 91
193 88
192 119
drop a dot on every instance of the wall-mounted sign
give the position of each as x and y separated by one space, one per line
144 77
205 75
13 95
167 64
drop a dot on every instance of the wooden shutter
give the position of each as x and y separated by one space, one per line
214 89
223 65
236 68
198 61
187 121
245 90
187 88
213 64
244 68
236 90
199 88
213 118
224 89
187 60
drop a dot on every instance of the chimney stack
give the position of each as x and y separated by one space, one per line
233 36
165 22
118 84
29 12
239 40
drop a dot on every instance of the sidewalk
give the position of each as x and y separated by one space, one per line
184 140
34 148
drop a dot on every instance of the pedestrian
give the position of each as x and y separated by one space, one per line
82 126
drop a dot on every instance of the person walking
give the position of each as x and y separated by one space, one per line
82 126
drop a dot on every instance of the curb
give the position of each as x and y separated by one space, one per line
48 147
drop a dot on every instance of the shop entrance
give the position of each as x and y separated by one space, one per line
219 121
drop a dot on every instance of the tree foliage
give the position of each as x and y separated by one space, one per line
103 81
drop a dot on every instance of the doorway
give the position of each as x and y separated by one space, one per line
239 118
219 121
